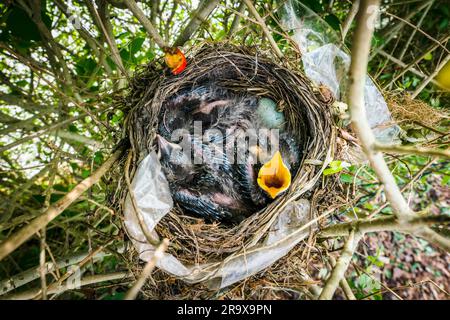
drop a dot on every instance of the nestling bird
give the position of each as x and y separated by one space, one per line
247 157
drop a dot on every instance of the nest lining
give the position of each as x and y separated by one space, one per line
238 69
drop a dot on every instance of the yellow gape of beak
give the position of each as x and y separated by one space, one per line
274 177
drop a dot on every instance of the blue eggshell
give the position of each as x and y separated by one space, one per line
267 112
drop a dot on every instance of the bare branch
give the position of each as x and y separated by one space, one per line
236 19
198 17
19 237
341 266
357 76
39 133
266 31
417 60
56 288
101 19
18 280
382 224
391 32
151 30
434 238
349 19
431 76
411 36
444 153
134 291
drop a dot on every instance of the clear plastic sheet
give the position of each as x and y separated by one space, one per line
326 63
153 200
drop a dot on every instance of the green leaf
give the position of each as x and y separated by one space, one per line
60 187
98 157
22 83
136 45
85 173
428 56
335 167
375 261
443 25
333 21
346 178
73 128
85 66
125 55
314 5
21 25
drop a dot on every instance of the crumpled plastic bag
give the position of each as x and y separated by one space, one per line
326 63
153 200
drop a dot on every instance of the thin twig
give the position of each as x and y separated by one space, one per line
430 77
443 153
134 290
18 280
343 283
382 224
236 20
18 238
411 36
55 288
349 19
198 17
151 30
263 25
341 266
403 189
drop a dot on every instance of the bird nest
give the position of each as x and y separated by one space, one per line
307 110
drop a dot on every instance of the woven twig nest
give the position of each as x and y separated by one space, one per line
307 112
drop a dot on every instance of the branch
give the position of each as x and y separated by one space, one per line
201 13
13 242
343 283
26 60
341 266
382 224
236 20
102 21
357 76
18 280
54 288
349 19
392 31
151 30
39 133
78 138
411 36
266 31
434 238
431 76
416 176
417 60
403 65
413 150
96 47
134 291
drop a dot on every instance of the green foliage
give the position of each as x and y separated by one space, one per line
335 167
37 94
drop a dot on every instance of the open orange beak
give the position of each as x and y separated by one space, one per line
274 177
175 60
